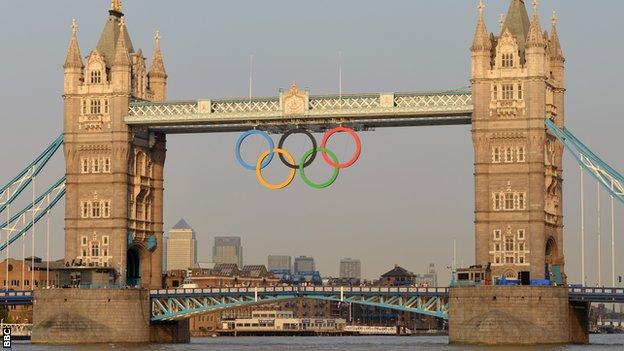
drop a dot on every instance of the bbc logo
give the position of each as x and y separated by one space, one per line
6 338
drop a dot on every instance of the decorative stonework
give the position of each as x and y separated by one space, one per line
294 102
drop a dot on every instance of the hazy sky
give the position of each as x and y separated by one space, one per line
410 194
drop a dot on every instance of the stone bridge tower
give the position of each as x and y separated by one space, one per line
113 213
517 82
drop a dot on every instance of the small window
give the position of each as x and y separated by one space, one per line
96 77
520 97
495 92
496 155
509 244
84 240
497 247
95 249
508 91
521 234
84 252
105 106
521 154
105 240
84 165
498 202
508 155
497 234
521 259
104 252
95 210
84 107
105 210
107 165
520 246
509 201
508 60
84 209
521 201
96 107
509 259
95 165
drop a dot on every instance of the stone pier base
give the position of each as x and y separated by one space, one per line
84 316
516 315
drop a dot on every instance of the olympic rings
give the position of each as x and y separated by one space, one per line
358 147
298 131
266 184
306 160
306 180
239 142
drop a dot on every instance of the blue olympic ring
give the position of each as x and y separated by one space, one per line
239 142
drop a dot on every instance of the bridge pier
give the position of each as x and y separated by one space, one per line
84 316
516 315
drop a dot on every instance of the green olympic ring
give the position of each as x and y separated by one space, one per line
304 159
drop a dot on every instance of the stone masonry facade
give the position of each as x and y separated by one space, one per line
518 82
114 199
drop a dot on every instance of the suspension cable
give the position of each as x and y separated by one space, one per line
582 231
599 233
32 238
48 247
8 232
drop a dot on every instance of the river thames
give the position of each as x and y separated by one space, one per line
359 343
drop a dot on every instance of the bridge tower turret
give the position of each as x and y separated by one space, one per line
113 214
517 82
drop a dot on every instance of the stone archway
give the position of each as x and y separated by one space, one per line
133 269
552 250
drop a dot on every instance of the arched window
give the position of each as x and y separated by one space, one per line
96 77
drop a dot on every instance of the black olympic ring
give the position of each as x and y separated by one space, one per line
297 131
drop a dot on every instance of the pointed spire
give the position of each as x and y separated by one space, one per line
535 37
481 41
501 21
517 22
73 59
555 45
158 65
122 56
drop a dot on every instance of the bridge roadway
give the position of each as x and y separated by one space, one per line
176 304
298 108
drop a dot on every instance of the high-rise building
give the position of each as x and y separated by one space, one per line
279 263
181 247
228 249
427 279
304 264
350 268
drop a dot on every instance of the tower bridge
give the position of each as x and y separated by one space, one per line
116 118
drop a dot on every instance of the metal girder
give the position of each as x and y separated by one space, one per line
20 223
363 111
10 191
183 303
610 179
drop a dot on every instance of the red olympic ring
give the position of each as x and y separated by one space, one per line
358 147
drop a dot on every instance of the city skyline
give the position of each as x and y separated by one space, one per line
416 207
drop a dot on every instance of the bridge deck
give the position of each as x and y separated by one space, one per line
275 114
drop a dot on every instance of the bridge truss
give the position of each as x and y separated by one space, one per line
174 304
294 108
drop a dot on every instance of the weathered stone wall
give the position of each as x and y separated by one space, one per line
72 316
517 315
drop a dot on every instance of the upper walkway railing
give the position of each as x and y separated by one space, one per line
361 111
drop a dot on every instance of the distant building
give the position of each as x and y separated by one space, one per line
304 264
350 268
228 249
279 263
428 279
398 276
181 247
223 275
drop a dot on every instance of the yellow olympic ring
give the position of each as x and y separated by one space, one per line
261 179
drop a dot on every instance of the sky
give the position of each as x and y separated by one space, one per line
411 193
